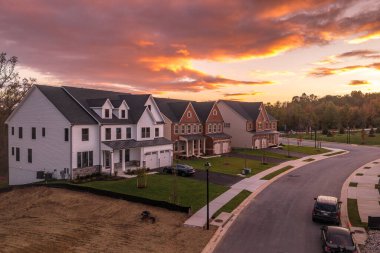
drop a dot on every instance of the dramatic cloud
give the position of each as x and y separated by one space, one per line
321 72
360 53
358 82
150 46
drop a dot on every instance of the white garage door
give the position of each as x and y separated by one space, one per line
264 143
257 143
165 158
218 148
151 160
226 147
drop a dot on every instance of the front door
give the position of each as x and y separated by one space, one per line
107 158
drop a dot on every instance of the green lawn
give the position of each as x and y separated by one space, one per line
353 214
277 172
3 184
228 165
335 153
260 152
233 203
305 150
355 138
190 192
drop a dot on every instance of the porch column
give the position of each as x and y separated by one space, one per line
187 148
199 147
123 159
192 147
204 146
112 164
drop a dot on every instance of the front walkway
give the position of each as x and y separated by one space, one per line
251 184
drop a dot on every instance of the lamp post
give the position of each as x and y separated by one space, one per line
207 165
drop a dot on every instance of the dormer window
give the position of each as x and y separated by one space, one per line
123 114
106 113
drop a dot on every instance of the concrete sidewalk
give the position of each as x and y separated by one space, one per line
251 184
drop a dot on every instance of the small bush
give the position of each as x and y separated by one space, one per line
325 131
371 132
341 130
329 134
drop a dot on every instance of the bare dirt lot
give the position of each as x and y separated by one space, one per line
43 219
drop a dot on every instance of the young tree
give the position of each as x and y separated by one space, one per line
12 90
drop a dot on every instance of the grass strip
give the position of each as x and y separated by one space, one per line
353 214
335 153
304 149
277 172
353 184
359 174
309 160
233 203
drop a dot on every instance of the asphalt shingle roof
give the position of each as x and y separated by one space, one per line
172 108
248 110
203 109
95 98
125 144
72 111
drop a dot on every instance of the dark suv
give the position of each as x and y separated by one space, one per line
327 209
181 169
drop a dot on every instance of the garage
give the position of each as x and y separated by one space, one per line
151 160
226 146
217 148
165 158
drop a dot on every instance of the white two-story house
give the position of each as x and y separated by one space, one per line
72 132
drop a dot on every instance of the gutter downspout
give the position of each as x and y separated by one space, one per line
100 147
71 152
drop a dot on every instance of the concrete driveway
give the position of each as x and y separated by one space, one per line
278 220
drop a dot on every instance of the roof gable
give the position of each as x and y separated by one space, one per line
248 110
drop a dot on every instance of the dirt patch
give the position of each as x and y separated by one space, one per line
54 220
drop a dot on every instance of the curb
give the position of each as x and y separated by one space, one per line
221 231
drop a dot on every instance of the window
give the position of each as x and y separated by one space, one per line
30 158
33 133
156 132
43 132
227 125
129 135
123 114
120 156
259 125
214 128
85 159
182 129
274 125
194 129
214 112
200 128
145 132
13 130
126 157
219 128
189 114
18 154
108 133
106 113
118 133
176 129
149 107
20 132
85 132
13 151
176 146
66 134
188 129
209 130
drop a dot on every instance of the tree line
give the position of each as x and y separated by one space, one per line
305 112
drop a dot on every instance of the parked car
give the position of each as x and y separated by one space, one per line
337 239
326 208
180 169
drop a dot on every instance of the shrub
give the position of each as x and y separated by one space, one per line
371 132
329 134
325 131
341 130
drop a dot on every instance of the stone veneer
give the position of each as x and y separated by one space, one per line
81 172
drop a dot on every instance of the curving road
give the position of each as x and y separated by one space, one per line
278 220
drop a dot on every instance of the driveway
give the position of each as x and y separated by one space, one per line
278 220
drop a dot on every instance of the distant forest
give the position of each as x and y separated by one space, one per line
356 110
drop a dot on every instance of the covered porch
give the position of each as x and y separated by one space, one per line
265 139
120 160
194 145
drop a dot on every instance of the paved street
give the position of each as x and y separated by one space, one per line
279 219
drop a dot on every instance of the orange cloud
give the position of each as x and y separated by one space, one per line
358 82
241 94
321 72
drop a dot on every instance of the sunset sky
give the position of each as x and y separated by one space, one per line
249 50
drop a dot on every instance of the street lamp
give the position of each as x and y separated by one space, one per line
207 165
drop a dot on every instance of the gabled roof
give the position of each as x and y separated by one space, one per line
172 108
96 98
248 110
203 109
72 111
